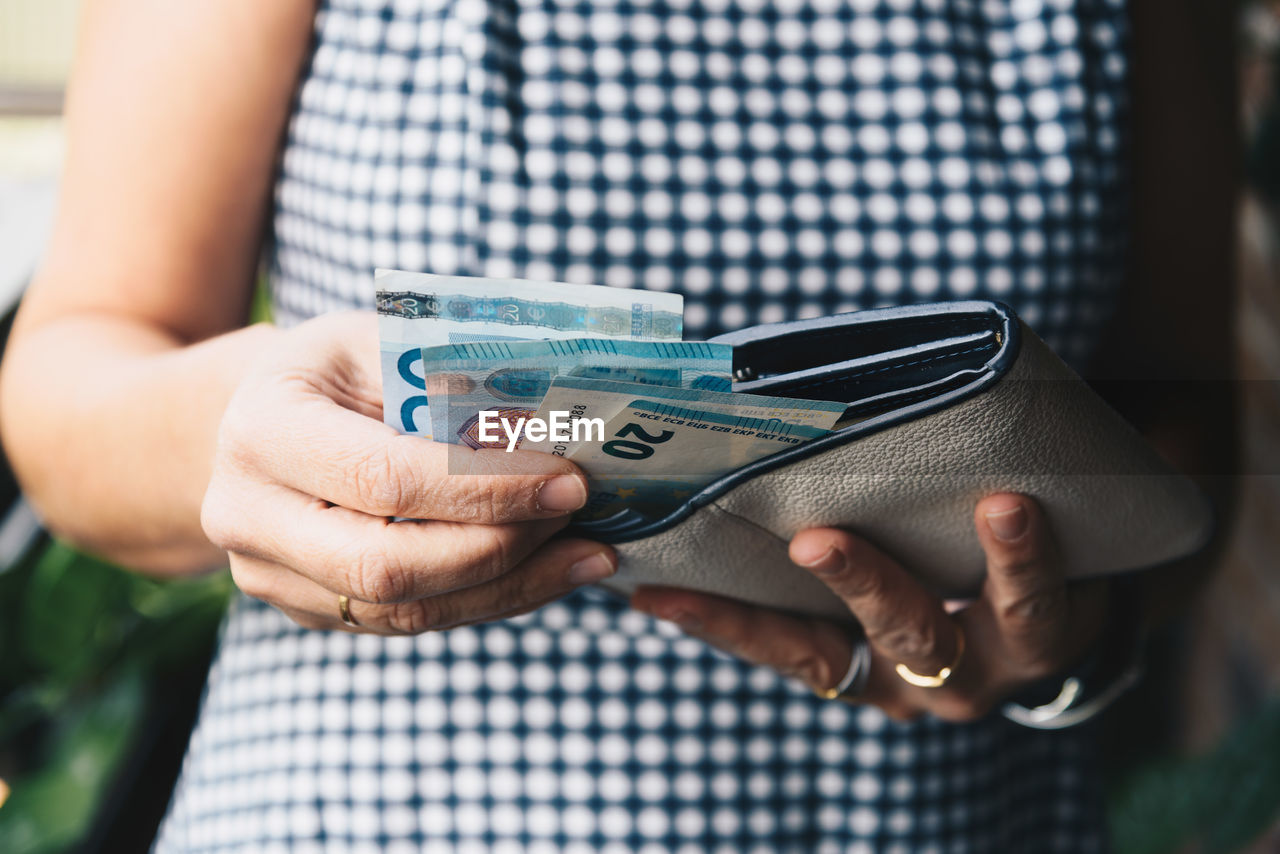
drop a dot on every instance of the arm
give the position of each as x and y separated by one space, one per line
174 116
146 424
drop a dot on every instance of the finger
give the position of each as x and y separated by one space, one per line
305 440
817 652
899 616
368 558
548 574
1025 586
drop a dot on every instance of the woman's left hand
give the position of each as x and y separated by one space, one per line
1028 623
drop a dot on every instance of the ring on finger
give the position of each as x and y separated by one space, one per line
854 681
940 678
344 612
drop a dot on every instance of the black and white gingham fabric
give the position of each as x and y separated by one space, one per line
769 159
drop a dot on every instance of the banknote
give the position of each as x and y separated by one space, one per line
417 310
655 455
586 398
510 378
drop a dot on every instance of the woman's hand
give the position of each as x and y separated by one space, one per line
1027 624
306 480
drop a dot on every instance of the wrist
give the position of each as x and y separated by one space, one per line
1112 665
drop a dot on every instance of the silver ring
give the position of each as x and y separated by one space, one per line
854 681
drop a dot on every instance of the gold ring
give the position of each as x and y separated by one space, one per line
940 678
344 611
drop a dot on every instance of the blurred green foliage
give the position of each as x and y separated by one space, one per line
84 646
86 649
1220 802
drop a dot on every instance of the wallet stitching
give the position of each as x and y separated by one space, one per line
913 397
855 375
837 331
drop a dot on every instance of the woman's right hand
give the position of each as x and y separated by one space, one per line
306 480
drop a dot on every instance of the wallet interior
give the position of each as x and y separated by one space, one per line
874 366
888 365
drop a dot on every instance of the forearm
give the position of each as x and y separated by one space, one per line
121 362
110 425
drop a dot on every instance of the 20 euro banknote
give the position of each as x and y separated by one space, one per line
584 398
656 455
510 378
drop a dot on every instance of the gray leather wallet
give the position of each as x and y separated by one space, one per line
948 403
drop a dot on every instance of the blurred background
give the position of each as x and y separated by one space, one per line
100 669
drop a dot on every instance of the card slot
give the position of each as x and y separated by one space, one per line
879 381
797 347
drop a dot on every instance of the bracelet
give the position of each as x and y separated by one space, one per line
1071 707
1114 666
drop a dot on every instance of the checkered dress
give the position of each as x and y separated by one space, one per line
769 159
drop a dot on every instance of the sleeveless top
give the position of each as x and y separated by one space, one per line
770 159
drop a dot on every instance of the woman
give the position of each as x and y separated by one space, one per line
770 160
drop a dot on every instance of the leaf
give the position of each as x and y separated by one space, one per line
84 644
68 603
1224 799
52 808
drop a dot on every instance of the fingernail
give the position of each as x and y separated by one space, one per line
1008 525
825 563
563 493
686 621
591 569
